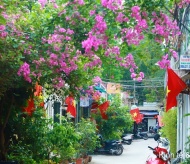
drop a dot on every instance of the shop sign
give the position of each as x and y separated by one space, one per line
185 62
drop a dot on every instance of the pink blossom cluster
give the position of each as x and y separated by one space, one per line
58 82
100 25
38 62
138 77
10 25
68 65
91 42
183 3
112 4
59 36
92 12
131 36
24 71
128 62
53 60
80 2
136 12
164 63
95 61
75 16
174 53
43 3
113 52
3 32
97 36
97 80
121 18
63 55
135 35
165 27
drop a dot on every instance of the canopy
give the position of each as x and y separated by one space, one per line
99 89
149 113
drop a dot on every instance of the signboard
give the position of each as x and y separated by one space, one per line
84 101
113 88
185 62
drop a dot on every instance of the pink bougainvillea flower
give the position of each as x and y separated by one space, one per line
43 3
2 27
25 72
133 75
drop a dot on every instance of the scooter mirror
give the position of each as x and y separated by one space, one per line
156 137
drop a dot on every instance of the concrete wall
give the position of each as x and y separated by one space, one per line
151 122
183 122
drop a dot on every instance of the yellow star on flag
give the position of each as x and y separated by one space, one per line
135 114
167 90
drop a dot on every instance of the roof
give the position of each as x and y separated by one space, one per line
148 108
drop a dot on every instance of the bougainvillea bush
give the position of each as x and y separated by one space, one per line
65 44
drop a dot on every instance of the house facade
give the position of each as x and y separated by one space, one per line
182 68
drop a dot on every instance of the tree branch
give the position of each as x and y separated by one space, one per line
175 15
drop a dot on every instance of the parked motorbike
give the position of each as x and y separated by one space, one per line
111 147
141 135
127 139
162 152
152 131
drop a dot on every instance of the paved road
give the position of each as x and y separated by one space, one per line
136 153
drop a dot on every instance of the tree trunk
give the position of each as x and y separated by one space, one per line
2 144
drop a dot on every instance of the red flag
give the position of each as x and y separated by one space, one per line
140 118
103 107
174 86
70 106
30 107
135 113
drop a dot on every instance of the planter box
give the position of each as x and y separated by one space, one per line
79 161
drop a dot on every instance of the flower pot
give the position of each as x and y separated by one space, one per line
90 159
85 160
64 162
79 161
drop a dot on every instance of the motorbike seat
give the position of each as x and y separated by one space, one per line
110 141
143 132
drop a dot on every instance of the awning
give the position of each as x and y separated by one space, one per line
99 89
149 113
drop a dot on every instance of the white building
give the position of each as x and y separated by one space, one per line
182 68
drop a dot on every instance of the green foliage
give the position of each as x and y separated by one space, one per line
119 120
30 138
37 138
29 24
88 137
187 159
170 128
63 140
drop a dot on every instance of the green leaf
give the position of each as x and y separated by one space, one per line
2 20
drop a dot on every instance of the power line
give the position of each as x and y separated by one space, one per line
147 83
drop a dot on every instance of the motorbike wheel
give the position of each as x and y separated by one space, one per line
145 137
119 150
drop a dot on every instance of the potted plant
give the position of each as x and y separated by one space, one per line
88 138
64 140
